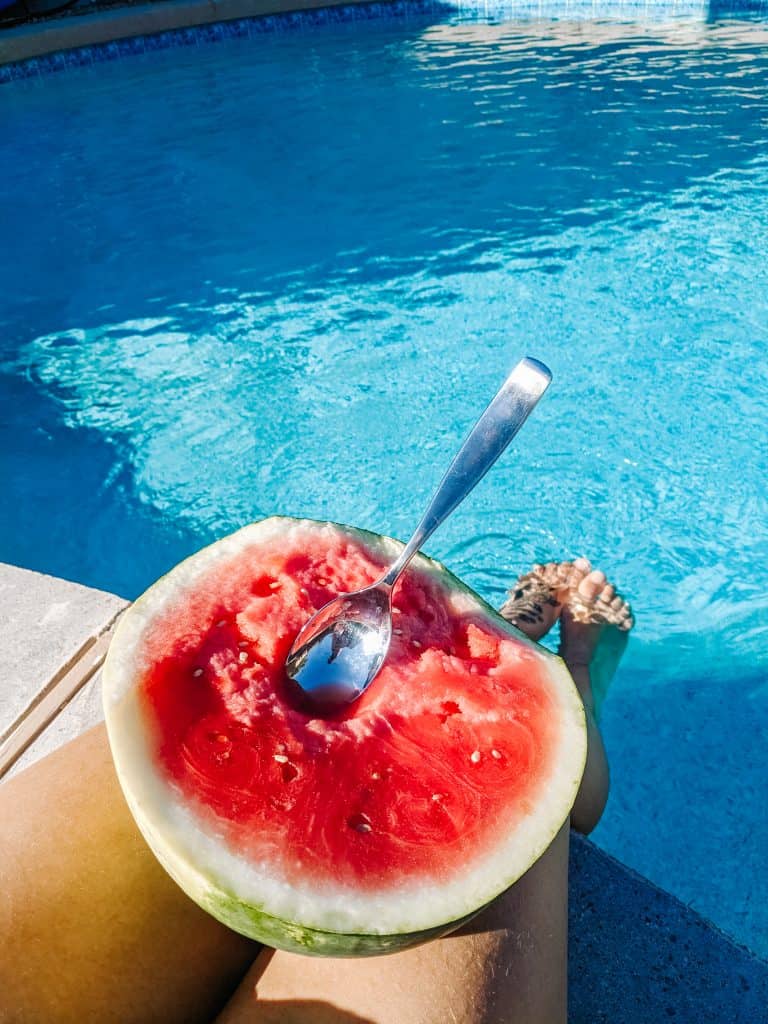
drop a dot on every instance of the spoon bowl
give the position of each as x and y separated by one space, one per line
340 650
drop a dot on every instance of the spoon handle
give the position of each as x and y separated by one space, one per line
501 420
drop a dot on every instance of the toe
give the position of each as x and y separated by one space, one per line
607 594
591 585
562 574
582 565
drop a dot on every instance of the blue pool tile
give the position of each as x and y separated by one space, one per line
82 56
368 11
111 50
315 16
208 34
99 54
57 61
337 14
237 29
134 44
159 41
417 9
293 19
10 72
257 26
188 36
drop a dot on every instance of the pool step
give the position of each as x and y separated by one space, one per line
637 955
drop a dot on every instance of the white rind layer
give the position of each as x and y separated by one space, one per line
244 894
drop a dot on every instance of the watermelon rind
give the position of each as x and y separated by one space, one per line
312 919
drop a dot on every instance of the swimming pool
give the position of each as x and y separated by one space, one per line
284 273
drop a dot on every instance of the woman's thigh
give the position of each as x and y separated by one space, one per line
92 927
507 966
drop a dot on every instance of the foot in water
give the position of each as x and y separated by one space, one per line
594 621
536 600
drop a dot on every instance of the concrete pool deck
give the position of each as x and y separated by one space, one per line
637 955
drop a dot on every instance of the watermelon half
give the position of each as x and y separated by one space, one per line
359 834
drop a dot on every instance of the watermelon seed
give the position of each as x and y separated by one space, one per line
397 632
321 581
242 643
274 585
360 823
376 775
221 622
415 643
197 673
242 657
436 797
495 754
280 758
474 757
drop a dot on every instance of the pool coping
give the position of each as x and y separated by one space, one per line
97 30
110 23
636 953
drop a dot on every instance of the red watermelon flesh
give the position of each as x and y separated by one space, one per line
445 752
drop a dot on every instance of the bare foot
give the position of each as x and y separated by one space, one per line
594 628
594 625
536 600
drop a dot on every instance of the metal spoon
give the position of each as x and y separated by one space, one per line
339 651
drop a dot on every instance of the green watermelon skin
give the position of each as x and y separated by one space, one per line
271 931
174 834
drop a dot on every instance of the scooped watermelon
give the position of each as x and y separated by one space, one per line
357 834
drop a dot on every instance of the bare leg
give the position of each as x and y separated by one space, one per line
93 930
509 965
594 627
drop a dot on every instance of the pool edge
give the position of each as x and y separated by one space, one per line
76 30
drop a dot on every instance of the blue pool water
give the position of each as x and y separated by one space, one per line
284 274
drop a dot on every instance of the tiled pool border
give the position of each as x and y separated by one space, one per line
170 23
80 40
